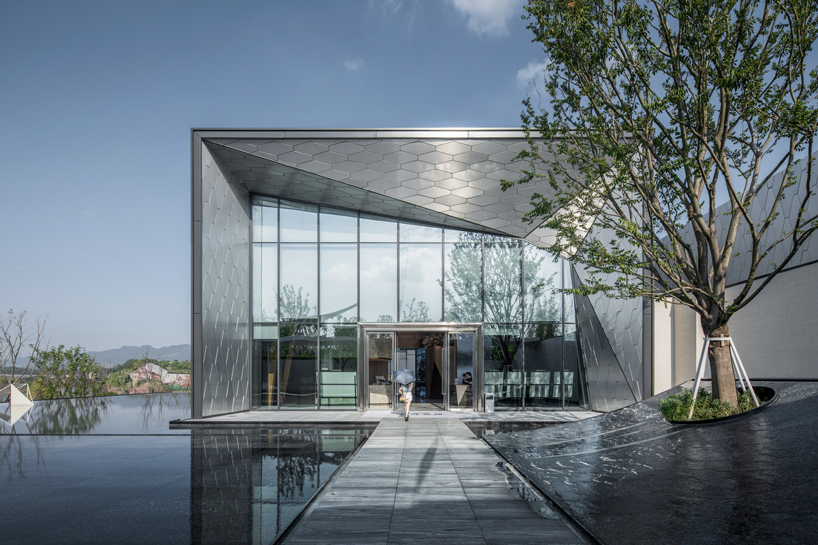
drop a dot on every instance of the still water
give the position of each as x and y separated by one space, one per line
104 470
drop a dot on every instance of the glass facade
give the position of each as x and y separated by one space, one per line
318 271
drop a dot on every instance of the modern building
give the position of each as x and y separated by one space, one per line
324 260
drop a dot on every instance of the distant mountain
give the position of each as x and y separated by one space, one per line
117 356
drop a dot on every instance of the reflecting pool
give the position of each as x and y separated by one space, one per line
127 414
104 470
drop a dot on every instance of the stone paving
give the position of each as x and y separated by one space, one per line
428 480
328 417
631 477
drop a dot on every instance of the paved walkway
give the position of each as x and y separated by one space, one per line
324 417
429 480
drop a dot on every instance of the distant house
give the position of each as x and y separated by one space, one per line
151 371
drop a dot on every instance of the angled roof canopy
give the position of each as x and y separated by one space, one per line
446 177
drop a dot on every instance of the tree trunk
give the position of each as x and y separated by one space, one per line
721 367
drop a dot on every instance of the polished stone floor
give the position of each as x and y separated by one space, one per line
631 477
333 417
427 481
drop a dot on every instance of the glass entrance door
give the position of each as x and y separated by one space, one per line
460 370
423 353
380 391
445 359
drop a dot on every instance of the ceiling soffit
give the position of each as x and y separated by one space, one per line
453 183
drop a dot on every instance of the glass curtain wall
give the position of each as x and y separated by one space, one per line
318 271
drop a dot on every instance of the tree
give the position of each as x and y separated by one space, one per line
67 372
659 110
16 335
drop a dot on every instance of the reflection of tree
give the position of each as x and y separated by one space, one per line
416 313
504 346
339 344
299 335
298 323
464 280
153 410
294 304
296 463
11 455
499 290
68 416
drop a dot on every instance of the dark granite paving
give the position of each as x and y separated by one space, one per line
630 477
427 481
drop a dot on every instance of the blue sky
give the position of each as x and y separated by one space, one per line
98 99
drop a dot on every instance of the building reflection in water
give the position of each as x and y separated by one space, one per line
248 485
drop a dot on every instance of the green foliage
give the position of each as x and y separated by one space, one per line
67 372
129 366
181 367
653 113
677 406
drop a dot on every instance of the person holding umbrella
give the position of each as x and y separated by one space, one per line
406 396
406 378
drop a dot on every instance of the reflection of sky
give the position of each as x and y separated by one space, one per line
299 268
338 228
421 267
379 278
134 414
339 278
265 277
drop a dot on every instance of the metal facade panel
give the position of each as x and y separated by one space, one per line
455 182
607 385
225 294
622 321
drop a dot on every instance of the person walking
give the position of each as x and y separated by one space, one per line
406 394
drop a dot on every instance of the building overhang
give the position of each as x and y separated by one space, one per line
445 177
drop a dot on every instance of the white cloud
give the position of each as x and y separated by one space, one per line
489 17
354 65
533 74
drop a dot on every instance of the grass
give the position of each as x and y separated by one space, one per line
677 406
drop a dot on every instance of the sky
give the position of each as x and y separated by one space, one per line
97 99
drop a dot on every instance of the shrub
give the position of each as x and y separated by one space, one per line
67 372
677 406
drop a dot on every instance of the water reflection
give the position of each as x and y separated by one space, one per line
217 486
247 486
146 414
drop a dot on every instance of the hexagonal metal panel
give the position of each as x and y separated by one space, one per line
398 163
418 148
346 148
311 148
451 166
365 157
453 148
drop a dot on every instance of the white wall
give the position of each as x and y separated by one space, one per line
662 346
776 333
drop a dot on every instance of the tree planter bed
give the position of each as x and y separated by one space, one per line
766 396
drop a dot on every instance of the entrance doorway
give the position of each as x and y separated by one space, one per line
443 357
